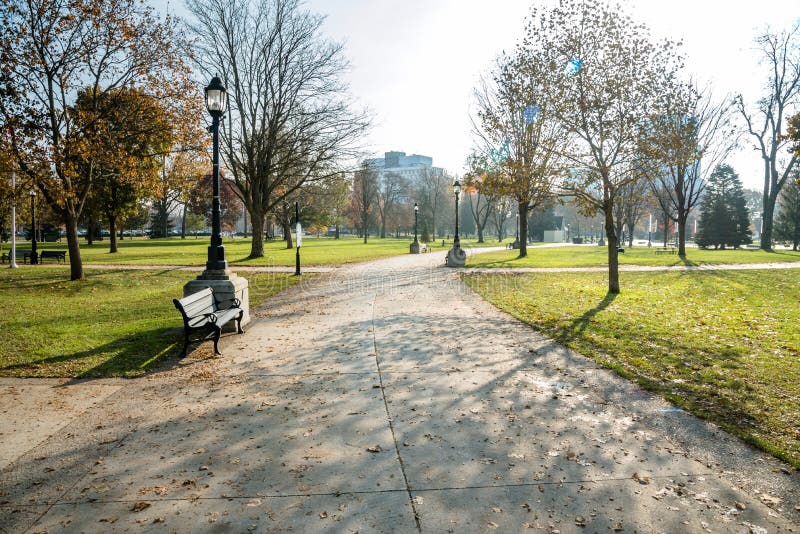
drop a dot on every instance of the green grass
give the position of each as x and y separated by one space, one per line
724 345
114 323
191 251
582 256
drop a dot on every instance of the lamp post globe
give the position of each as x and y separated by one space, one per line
34 255
216 102
457 193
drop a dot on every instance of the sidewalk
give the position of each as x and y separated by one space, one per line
380 397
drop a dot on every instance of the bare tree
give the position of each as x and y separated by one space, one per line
687 136
289 120
432 194
766 124
391 189
611 73
365 194
632 200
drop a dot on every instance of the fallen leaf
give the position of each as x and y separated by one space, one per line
323 515
139 506
375 448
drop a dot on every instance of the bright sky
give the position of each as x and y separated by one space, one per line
414 62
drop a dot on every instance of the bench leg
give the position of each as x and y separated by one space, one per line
239 322
217 332
185 342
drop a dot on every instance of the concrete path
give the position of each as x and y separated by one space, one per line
381 397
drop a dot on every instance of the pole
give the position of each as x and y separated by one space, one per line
297 255
13 262
456 240
34 255
416 210
216 252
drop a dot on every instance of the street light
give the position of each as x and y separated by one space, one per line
457 192
34 255
216 101
416 213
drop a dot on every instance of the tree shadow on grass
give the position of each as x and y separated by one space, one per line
578 326
131 356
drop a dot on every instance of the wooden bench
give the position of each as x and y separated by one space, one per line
202 312
59 255
670 250
21 254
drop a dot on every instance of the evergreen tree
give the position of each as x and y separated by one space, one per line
724 218
787 222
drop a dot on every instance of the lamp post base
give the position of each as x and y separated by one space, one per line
456 257
414 248
226 286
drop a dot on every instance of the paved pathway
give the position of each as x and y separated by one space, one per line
381 397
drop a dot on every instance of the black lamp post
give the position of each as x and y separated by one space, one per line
516 231
457 192
216 101
416 212
34 255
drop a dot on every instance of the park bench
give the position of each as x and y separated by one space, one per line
202 312
20 254
58 255
670 250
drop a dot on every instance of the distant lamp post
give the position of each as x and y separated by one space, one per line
414 248
216 100
34 255
299 232
516 232
456 257
457 193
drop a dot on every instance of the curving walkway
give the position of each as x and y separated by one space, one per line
379 397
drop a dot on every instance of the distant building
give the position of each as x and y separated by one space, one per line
410 167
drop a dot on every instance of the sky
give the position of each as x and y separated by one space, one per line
414 63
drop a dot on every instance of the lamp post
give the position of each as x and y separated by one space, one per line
456 257
414 247
299 232
216 101
34 255
457 192
226 285
416 217
516 232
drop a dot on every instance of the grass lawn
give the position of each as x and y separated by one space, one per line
191 251
114 323
724 345
594 256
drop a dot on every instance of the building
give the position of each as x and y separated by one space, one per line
411 167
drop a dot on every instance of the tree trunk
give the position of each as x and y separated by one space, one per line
257 244
364 222
90 228
183 222
74 248
112 228
245 224
630 235
480 234
613 253
766 225
682 236
666 227
522 209
287 234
